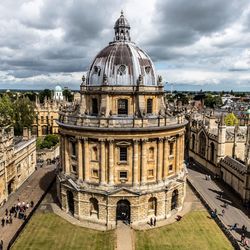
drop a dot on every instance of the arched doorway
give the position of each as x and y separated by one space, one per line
10 186
123 210
174 200
70 199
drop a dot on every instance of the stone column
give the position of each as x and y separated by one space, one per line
86 160
177 152
62 156
111 162
103 167
79 158
135 160
67 159
144 162
159 159
165 158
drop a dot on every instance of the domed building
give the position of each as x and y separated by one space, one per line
58 93
122 151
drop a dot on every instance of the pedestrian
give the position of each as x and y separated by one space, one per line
151 221
215 211
32 203
10 220
1 245
222 212
205 177
3 222
234 226
245 244
6 212
7 220
154 221
27 205
242 238
243 228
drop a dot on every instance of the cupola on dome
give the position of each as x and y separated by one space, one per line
121 62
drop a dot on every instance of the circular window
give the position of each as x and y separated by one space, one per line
122 69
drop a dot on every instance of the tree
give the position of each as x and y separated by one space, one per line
68 95
212 101
6 111
45 93
231 120
49 141
24 114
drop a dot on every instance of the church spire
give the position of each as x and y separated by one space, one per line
122 28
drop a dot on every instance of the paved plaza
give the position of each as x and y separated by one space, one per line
216 195
31 190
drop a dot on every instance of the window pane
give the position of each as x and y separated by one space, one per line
149 106
94 106
122 107
123 154
123 174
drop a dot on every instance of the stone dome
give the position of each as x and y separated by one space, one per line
121 62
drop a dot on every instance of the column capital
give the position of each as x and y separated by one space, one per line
102 140
111 141
136 141
161 139
144 140
85 139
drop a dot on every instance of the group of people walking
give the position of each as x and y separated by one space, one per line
16 211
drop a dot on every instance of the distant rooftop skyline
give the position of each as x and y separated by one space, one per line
194 44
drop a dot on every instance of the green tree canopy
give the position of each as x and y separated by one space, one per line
231 119
68 95
212 101
48 142
6 111
45 93
24 114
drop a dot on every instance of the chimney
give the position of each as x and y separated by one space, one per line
25 134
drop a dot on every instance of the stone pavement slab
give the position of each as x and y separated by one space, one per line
31 190
216 195
124 237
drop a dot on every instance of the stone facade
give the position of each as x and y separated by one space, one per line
121 150
223 150
17 161
46 116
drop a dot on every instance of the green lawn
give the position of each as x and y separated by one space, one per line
195 231
49 231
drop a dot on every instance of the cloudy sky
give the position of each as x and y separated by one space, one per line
194 44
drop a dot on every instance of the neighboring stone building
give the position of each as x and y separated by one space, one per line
17 160
46 116
122 151
223 150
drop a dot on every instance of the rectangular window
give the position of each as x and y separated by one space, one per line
123 154
170 167
42 119
73 168
149 106
150 173
123 175
94 106
95 173
171 148
122 107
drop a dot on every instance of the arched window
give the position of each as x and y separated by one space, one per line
94 154
151 154
152 204
212 152
202 143
94 207
174 200
193 141
122 107
150 106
